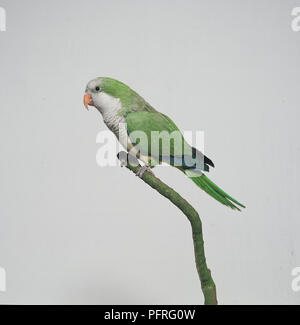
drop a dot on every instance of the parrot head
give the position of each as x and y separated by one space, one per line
99 91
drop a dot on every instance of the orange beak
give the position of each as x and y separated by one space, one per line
87 101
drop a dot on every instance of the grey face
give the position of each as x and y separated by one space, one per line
94 86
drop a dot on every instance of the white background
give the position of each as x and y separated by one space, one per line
72 232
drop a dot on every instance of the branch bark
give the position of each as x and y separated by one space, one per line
207 284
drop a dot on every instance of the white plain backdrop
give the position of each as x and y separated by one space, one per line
72 232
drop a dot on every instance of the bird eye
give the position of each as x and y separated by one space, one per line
97 88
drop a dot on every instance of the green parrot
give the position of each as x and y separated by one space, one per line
120 105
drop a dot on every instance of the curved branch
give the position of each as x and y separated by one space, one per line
207 283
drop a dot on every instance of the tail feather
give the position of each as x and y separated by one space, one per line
213 190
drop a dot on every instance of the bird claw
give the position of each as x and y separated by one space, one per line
142 170
122 156
126 158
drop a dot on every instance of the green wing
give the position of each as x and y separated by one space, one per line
156 135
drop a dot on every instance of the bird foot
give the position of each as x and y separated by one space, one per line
126 158
142 170
123 157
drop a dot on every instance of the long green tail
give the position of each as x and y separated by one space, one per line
213 190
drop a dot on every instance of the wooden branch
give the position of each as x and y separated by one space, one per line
207 283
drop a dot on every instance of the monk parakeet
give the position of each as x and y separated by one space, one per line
119 104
